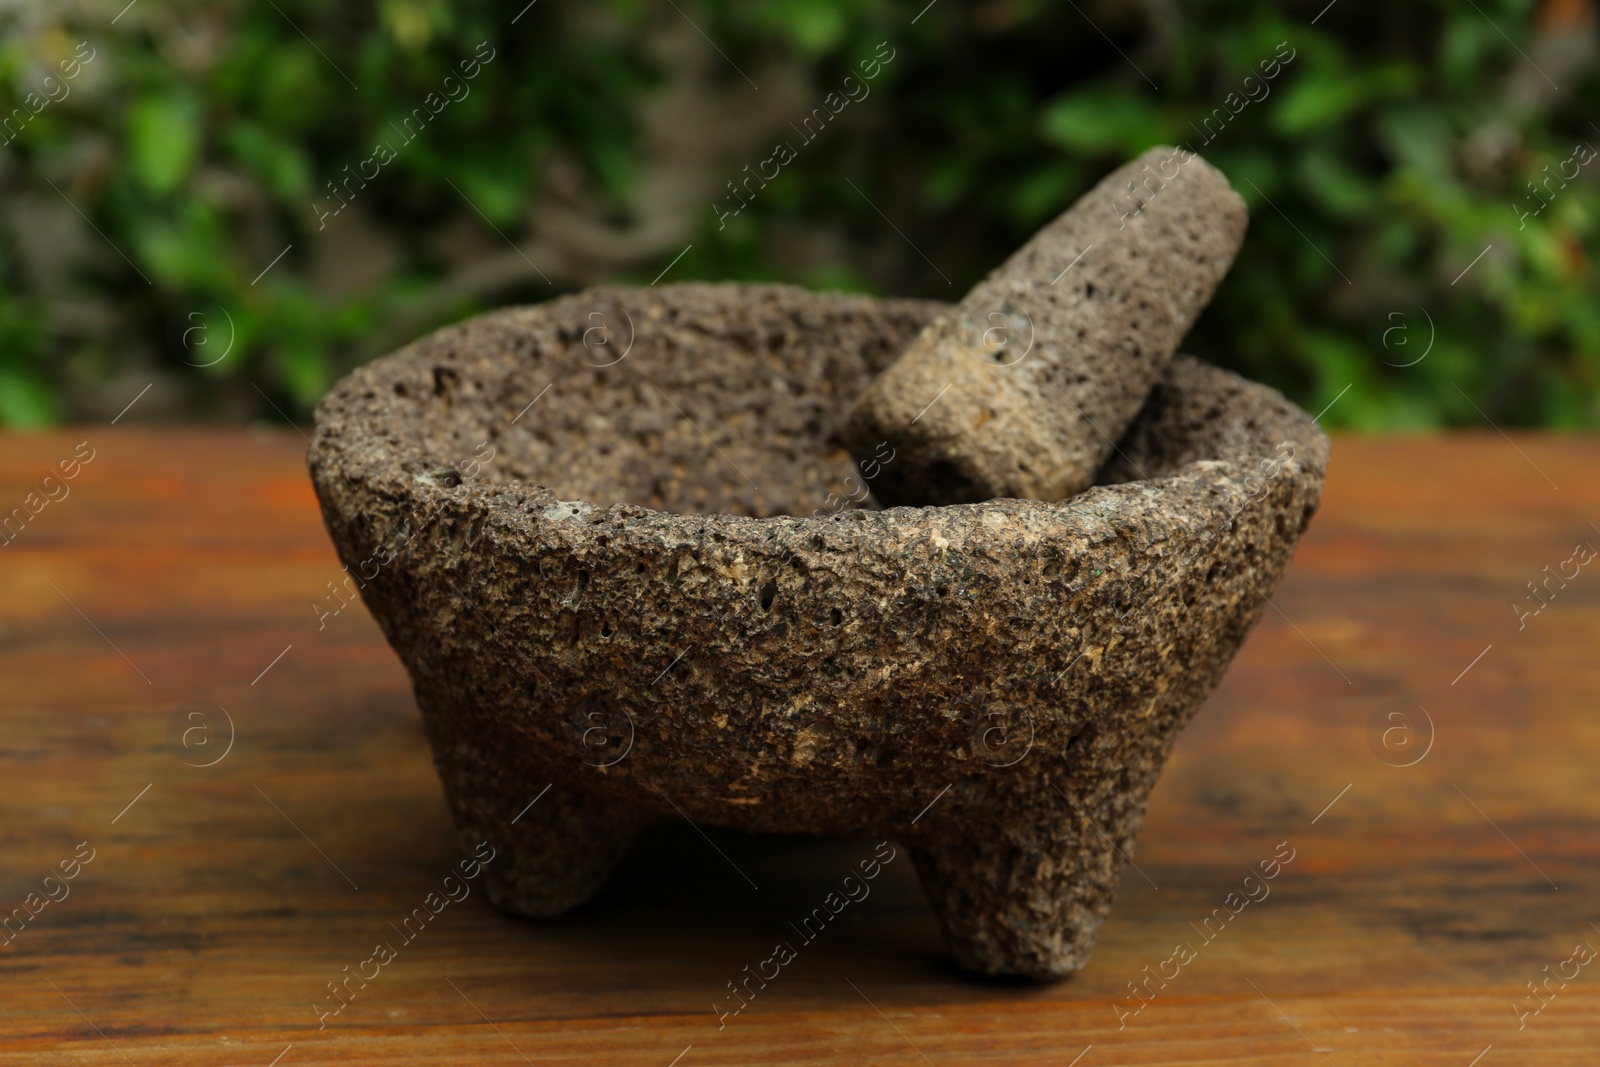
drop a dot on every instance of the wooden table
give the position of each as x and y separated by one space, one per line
180 572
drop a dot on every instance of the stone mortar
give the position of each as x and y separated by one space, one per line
599 534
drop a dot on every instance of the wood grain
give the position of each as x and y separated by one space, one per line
217 906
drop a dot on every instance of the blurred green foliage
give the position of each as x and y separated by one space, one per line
1395 145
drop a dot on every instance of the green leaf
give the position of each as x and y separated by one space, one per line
838 278
1339 188
614 164
1323 96
278 164
496 187
26 400
414 23
183 250
1466 40
1317 98
948 182
164 137
290 88
1420 137
303 368
814 27
1044 193
1099 121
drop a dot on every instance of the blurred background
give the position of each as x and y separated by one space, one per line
234 202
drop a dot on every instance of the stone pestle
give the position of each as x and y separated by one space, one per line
1023 388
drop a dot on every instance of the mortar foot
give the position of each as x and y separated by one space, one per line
560 852
553 846
1024 894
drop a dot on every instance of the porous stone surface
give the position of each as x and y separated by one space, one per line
1022 389
627 583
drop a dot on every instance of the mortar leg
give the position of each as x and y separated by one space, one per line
548 857
560 853
1023 888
